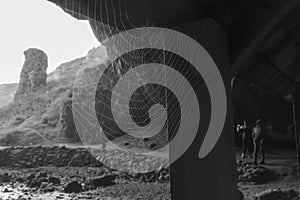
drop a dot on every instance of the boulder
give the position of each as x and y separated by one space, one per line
54 180
6 190
73 187
35 184
4 178
104 181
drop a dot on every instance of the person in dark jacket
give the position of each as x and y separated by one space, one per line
259 134
246 133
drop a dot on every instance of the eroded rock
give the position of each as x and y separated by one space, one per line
33 74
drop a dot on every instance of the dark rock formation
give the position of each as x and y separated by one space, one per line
33 74
73 187
54 180
104 181
35 184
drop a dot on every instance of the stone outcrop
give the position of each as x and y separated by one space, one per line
33 74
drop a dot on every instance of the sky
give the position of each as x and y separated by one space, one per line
43 25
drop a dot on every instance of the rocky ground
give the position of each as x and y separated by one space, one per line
73 173
77 183
276 180
255 174
59 172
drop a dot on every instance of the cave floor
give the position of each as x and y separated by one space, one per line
283 162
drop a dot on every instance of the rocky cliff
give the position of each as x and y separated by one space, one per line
41 111
34 71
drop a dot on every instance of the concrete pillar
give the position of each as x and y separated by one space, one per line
212 177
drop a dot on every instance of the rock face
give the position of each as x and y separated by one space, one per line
67 121
33 74
89 78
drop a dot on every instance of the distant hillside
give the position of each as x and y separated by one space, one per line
7 93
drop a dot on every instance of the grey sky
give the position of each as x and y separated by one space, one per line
39 24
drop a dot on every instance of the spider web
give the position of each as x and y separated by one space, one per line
148 97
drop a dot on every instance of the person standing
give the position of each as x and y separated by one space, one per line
245 130
259 135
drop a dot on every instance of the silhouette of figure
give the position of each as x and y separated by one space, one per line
259 134
246 132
